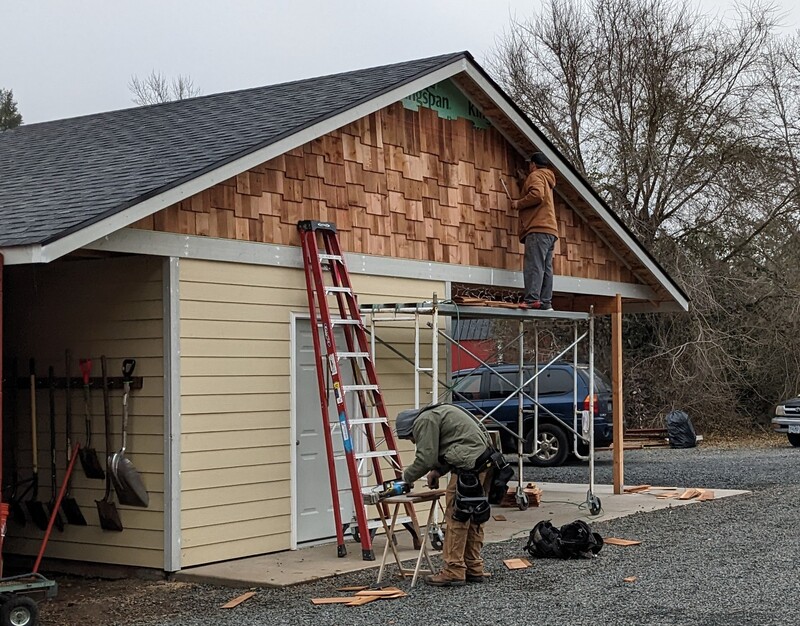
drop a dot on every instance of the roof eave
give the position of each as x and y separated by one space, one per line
112 221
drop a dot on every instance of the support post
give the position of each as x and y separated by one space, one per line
616 384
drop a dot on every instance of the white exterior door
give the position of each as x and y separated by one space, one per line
314 505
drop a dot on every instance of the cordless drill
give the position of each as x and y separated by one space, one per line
394 488
388 489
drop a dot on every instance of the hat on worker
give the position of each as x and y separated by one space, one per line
404 423
539 158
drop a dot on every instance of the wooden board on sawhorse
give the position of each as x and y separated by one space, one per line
389 527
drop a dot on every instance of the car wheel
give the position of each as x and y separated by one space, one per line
794 439
552 447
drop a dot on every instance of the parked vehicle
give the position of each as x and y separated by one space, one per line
481 390
787 420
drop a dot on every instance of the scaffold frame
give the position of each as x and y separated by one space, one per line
583 420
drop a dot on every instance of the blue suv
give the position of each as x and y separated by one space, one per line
481 390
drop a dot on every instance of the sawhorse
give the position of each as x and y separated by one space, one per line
389 527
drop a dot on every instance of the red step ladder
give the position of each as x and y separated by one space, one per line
371 427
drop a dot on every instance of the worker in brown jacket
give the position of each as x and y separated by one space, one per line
538 230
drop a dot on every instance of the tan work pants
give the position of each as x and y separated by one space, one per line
462 540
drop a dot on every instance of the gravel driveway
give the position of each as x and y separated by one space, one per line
727 562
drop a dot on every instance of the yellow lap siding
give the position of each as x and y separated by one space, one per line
234 439
235 512
209 385
238 366
220 534
207 479
236 402
259 457
233 494
237 548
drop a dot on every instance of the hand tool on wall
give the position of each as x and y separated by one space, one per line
16 512
91 464
51 521
106 509
35 508
52 509
508 195
127 481
69 504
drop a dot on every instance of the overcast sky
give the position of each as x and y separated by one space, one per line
67 58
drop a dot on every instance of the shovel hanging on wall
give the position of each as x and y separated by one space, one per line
106 509
69 504
91 464
127 482
35 508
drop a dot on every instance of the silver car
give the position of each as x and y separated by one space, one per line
787 420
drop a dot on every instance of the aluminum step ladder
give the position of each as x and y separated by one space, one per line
367 438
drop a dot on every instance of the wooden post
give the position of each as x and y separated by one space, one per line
616 384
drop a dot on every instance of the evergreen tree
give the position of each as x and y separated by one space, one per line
10 117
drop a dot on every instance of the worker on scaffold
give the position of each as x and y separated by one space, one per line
538 232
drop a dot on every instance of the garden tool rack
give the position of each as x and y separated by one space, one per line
76 382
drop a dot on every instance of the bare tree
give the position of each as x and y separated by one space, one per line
647 97
688 125
157 88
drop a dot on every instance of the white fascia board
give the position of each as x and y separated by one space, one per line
652 307
535 137
115 222
22 255
134 241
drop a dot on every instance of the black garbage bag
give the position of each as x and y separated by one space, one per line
680 430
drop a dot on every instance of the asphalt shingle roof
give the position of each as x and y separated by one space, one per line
58 177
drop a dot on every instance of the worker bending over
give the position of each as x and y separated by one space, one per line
448 439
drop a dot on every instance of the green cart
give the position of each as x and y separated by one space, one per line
19 596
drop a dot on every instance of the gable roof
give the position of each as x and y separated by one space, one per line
64 175
71 182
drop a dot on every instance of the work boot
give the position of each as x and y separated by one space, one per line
443 580
476 578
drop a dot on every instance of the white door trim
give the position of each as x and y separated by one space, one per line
293 318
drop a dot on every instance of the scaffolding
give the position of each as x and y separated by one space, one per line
582 426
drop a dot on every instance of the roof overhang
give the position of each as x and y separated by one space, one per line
45 253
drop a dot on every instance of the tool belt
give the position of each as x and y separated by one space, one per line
470 502
500 473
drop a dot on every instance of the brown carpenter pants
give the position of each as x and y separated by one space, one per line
462 540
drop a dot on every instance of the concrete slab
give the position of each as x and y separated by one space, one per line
561 503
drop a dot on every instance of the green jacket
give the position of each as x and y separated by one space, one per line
447 437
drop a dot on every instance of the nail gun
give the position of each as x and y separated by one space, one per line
388 489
